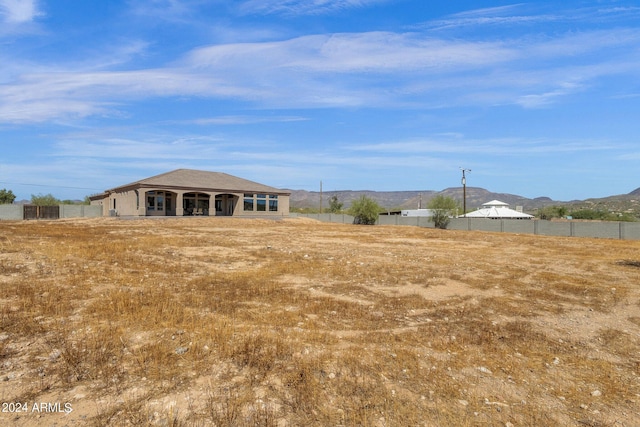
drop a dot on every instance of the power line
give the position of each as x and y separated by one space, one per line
50 186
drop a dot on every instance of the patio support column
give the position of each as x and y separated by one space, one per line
212 204
179 203
142 206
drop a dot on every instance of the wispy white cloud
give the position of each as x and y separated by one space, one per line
244 120
491 11
302 7
176 11
547 98
157 146
115 55
459 144
336 70
39 97
18 11
510 15
375 52
523 16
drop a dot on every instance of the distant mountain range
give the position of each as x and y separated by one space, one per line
398 200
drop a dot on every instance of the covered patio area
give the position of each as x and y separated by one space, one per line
179 203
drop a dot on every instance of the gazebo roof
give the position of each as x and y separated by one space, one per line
495 203
496 209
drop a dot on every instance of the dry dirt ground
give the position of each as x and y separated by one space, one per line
237 322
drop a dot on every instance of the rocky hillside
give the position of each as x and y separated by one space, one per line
397 200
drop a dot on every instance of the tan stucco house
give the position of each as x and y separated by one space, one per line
186 192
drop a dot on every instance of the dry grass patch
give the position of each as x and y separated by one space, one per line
228 322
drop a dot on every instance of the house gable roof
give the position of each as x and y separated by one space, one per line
202 180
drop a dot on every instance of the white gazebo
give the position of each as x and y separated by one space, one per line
496 209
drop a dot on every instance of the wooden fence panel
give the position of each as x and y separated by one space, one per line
41 212
30 212
49 212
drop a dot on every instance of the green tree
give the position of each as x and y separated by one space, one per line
44 200
365 210
593 214
334 205
561 211
6 196
546 212
443 208
549 212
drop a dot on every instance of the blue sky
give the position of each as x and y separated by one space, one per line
538 98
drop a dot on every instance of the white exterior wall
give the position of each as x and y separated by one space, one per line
417 212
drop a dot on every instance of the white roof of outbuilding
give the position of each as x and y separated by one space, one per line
495 203
496 209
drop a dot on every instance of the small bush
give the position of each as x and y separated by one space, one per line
365 211
443 208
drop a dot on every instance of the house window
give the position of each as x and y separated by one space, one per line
151 200
156 200
261 202
248 202
273 203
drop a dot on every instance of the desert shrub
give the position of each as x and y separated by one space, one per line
335 206
365 211
549 212
443 208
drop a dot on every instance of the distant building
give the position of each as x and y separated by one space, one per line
187 192
417 212
496 209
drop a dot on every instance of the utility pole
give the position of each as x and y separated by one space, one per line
320 196
464 191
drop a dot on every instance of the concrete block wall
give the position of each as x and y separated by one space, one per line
80 211
417 221
519 226
549 228
606 230
16 212
394 219
630 230
328 217
11 212
601 229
